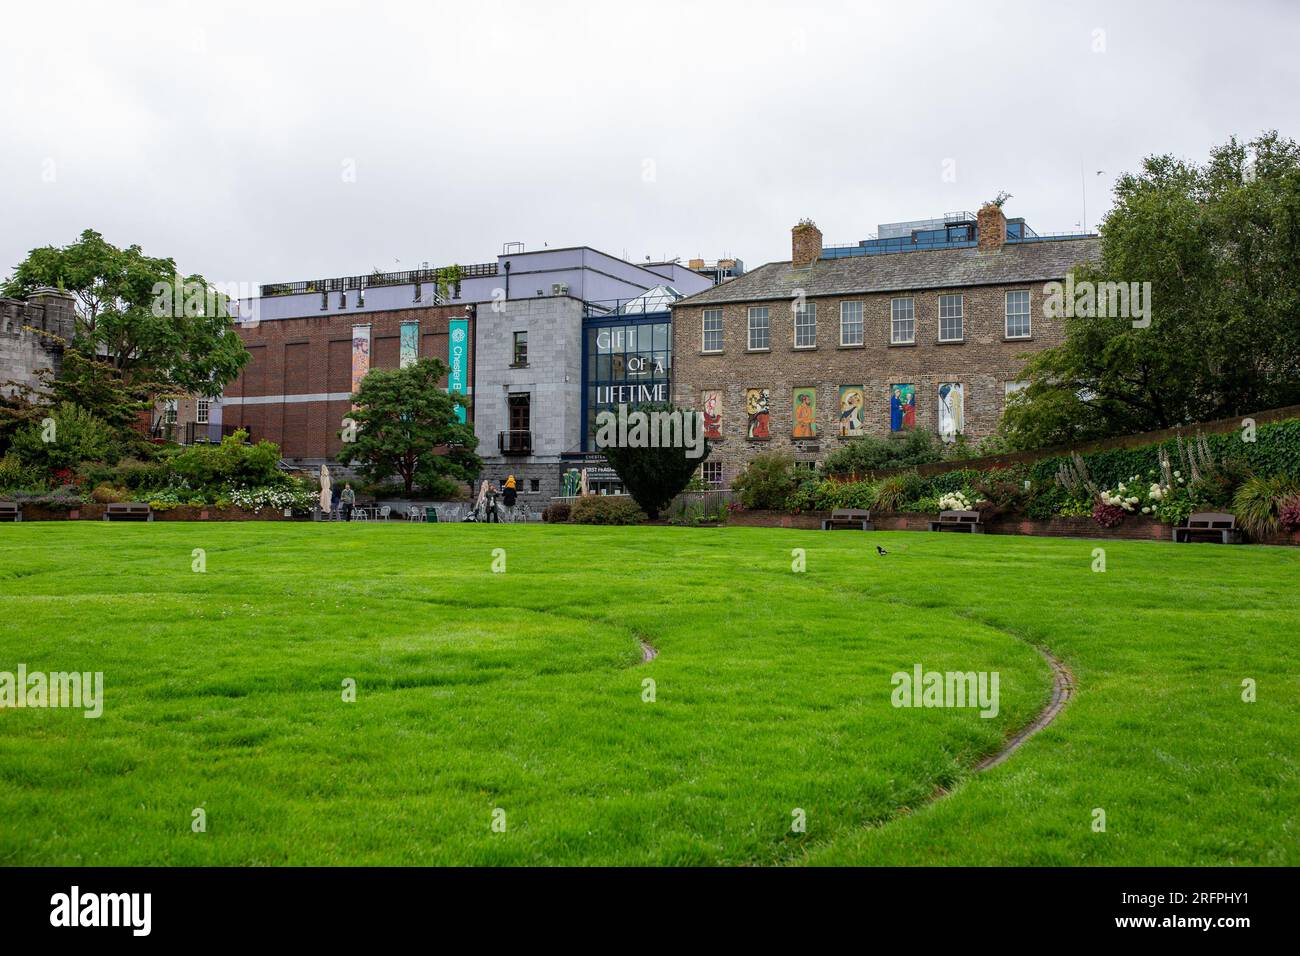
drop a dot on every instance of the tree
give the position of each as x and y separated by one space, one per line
64 439
655 476
407 427
137 314
1220 245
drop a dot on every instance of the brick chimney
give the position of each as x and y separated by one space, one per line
805 244
992 227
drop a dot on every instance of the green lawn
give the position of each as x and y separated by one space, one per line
523 691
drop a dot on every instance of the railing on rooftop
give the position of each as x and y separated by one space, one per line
375 279
879 247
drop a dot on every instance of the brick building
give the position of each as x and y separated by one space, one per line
801 356
297 386
525 320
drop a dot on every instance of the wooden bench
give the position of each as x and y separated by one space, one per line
1209 526
11 511
958 521
128 511
848 518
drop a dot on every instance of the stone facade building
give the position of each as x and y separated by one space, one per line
804 355
32 331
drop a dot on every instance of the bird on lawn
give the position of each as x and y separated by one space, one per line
880 550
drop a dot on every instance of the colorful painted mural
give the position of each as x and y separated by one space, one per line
852 398
902 407
758 406
952 411
805 413
360 355
711 402
409 347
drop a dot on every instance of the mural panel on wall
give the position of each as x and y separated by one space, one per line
952 411
711 402
409 349
758 406
805 413
360 355
852 398
902 407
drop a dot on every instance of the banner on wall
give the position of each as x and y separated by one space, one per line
360 355
952 411
458 360
409 348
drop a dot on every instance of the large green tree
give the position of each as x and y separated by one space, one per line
1220 244
137 314
406 427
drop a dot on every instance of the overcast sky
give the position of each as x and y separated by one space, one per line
278 141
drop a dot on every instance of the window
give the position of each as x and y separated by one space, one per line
850 323
361 298
324 300
171 411
712 331
805 326
808 466
520 407
534 485
951 318
758 328
711 473
521 348
902 321
1018 315
201 411
343 299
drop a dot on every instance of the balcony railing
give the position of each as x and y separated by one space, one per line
515 443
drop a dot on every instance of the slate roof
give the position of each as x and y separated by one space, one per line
1015 262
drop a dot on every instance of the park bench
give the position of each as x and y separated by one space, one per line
958 521
855 518
11 511
128 511
1209 526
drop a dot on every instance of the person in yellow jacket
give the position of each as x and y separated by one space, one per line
509 494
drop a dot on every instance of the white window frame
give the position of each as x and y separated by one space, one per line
846 322
707 467
805 319
706 318
895 320
755 312
948 313
1027 315
171 411
202 411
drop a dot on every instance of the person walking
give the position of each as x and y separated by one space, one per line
347 499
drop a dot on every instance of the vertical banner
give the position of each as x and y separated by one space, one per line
409 349
804 413
458 359
952 411
360 354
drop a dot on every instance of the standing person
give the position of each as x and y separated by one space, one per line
335 494
347 499
510 495
492 504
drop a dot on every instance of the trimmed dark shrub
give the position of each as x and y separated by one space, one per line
557 512
606 509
